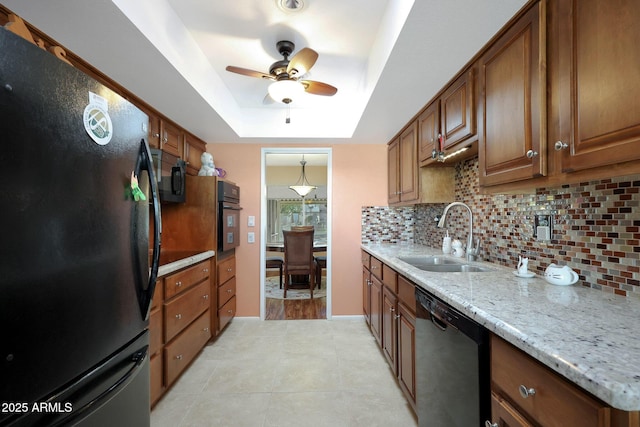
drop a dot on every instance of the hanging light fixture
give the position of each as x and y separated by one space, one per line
302 186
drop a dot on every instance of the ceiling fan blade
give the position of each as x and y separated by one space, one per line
318 88
302 62
250 73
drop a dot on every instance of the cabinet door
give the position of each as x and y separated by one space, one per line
597 82
393 171
407 352
458 112
171 139
409 164
389 328
428 130
376 309
504 415
512 128
193 149
366 295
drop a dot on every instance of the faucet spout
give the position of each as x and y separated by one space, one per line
472 251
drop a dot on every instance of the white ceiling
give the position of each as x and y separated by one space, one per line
173 54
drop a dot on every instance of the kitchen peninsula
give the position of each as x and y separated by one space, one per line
559 326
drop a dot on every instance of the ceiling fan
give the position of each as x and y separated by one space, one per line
287 74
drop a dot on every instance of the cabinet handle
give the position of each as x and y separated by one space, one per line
178 284
374 267
179 357
397 316
392 309
205 330
531 154
205 296
156 135
490 424
526 392
559 145
166 138
230 311
178 316
229 270
206 270
228 291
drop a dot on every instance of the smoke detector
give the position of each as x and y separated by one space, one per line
290 6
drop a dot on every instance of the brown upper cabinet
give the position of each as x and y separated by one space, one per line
449 121
403 167
193 149
512 107
594 72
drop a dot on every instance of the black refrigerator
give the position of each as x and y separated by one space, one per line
76 275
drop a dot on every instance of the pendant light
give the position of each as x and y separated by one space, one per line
302 186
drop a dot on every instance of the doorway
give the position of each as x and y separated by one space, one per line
282 208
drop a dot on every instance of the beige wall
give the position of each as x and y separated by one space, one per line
359 179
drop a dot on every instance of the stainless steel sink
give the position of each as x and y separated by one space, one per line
427 260
454 268
442 265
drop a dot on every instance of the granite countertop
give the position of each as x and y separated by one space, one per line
588 336
173 261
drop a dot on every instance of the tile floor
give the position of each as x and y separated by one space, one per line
282 373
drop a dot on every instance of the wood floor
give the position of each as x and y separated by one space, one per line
277 309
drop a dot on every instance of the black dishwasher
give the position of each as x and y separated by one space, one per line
452 366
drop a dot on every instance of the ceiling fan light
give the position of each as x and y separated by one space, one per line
284 90
290 5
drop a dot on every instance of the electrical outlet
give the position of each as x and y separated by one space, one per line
543 227
251 237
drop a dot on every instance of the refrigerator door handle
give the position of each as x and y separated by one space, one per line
145 162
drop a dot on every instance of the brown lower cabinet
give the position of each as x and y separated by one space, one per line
526 393
179 324
226 290
390 301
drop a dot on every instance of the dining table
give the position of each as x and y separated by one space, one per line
318 246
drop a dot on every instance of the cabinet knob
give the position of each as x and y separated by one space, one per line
178 316
397 316
228 291
526 392
205 330
531 154
178 284
156 135
229 270
392 309
559 145
179 357
206 296
230 311
490 424
206 270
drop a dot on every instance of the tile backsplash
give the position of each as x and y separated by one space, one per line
595 227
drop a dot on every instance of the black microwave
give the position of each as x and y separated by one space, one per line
170 174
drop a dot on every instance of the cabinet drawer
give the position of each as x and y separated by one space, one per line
226 291
155 371
226 313
155 331
182 280
179 353
366 259
407 293
226 269
183 309
390 278
376 268
556 401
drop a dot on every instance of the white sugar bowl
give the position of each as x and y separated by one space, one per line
560 275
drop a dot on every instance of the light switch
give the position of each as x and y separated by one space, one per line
251 221
251 237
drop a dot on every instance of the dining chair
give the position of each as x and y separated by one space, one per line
298 257
275 262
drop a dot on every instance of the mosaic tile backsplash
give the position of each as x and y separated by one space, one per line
595 227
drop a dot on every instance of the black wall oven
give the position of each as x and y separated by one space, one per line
228 216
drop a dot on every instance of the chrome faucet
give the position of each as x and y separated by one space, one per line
472 252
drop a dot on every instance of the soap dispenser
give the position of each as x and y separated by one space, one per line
446 244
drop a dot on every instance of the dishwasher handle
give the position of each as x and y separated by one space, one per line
438 323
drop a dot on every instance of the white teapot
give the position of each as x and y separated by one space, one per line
560 275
